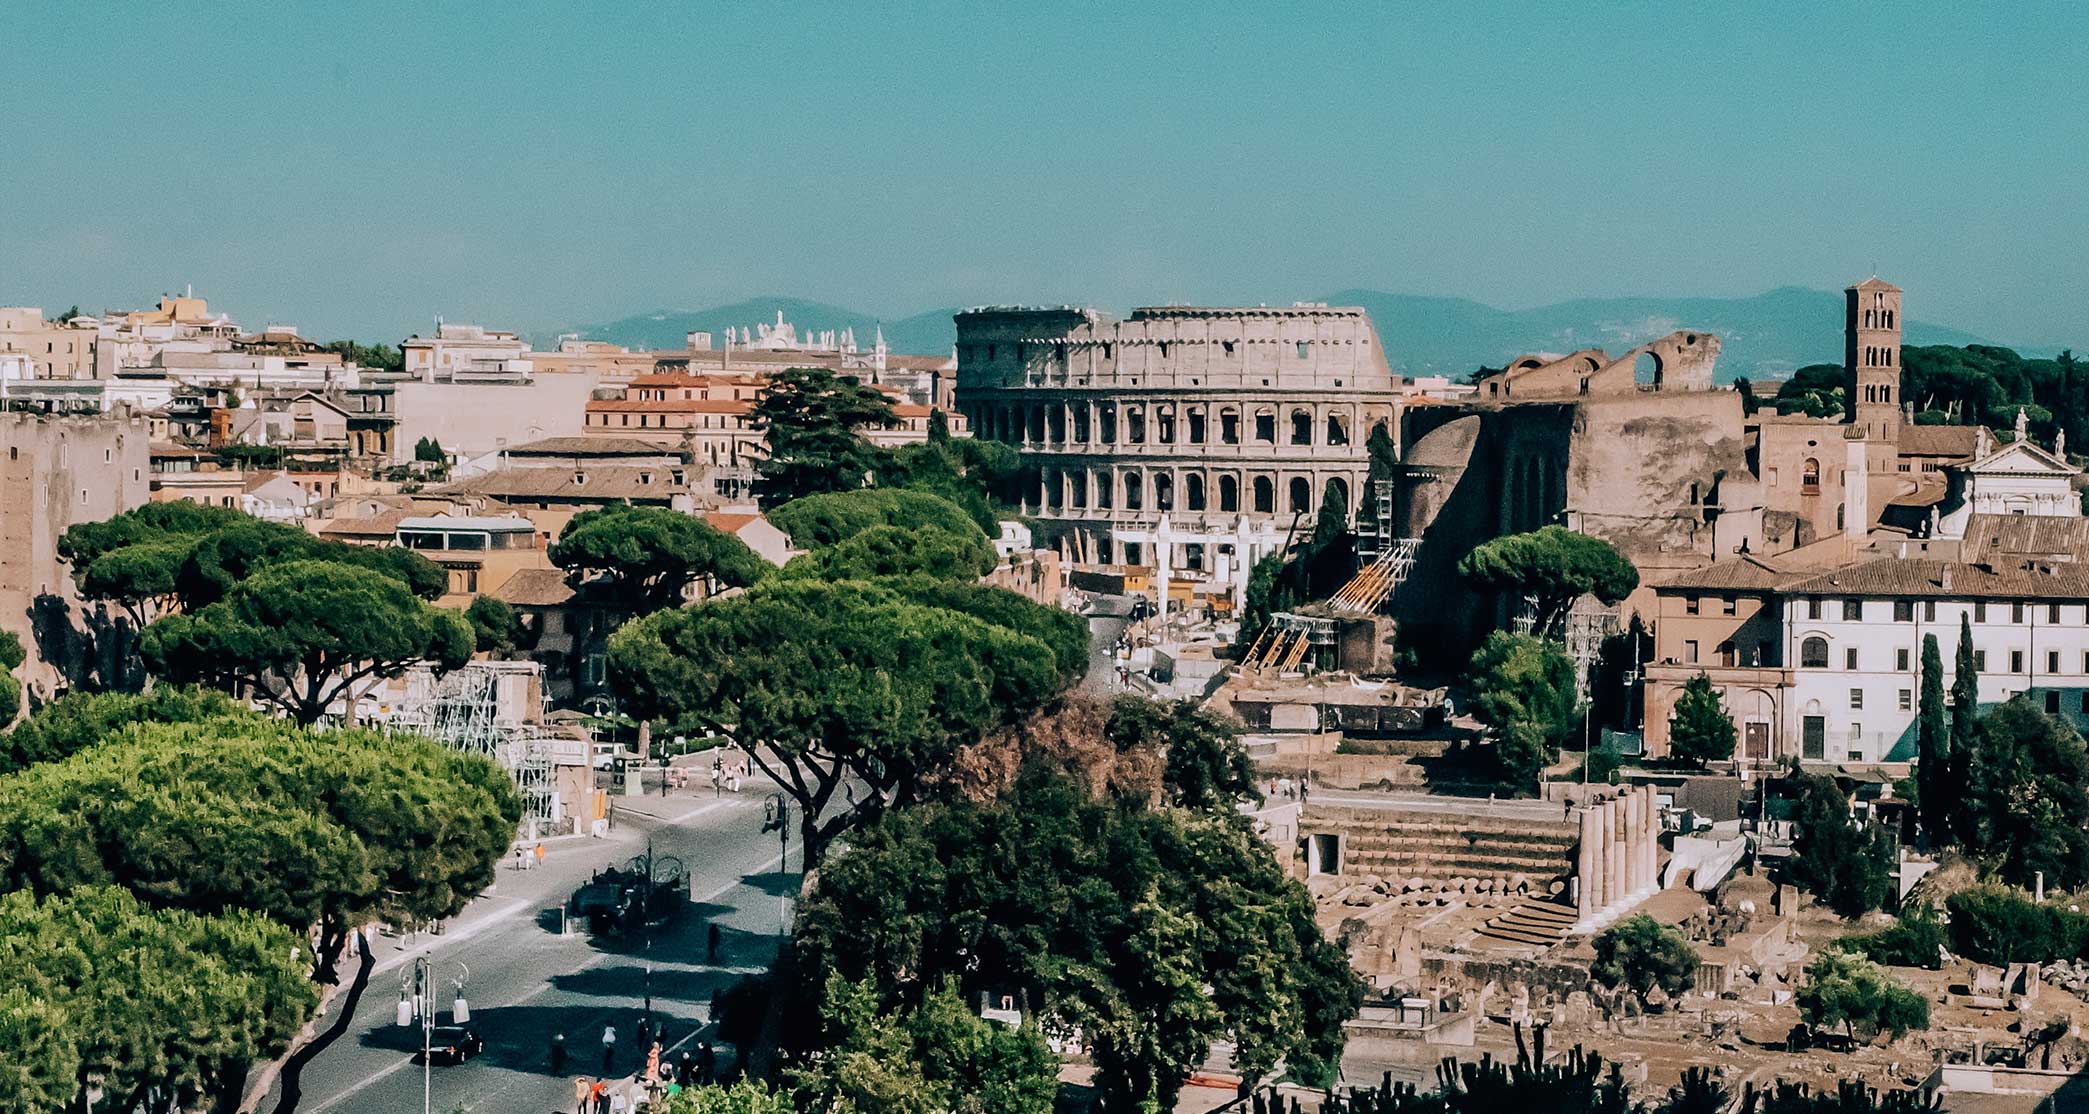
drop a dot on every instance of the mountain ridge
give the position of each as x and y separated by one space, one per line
1765 335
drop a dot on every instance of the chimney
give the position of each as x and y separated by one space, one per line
1944 577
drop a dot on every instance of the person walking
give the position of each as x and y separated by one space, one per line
685 1068
711 944
558 1054
618 1104
706 1063
582 1087
609 1047
539 853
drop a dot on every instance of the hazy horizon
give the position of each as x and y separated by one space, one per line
358 169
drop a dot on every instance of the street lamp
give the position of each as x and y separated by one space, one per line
417 999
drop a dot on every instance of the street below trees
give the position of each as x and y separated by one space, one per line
527 982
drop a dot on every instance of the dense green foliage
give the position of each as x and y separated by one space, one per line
152 1003
1699 730
303 634
840 680
2022 805
1994 924
634 560
1523 688
1985 384
964 470
812 420
1911 941
1065 632
938 1057
1847 868
494 628
743 1097
1642 953
1846 989
883 551
1156 930
383 357
819 521
246 813
1204 765
1815 390
1553 566
11 658
79 720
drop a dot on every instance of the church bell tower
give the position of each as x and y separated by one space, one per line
1871 358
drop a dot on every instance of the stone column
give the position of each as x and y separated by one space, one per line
1652 848
1587 888
1611 866
1628 835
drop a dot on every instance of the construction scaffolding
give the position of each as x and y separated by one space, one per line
1287 639
1582 632
1373 584
463 710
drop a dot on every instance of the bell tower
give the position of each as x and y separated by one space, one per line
1871 358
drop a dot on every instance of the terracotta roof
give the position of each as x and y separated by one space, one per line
371 526
1741 574
2008 538
730 521
1941 440
595 446
535 588
671 405
1896 576
606 483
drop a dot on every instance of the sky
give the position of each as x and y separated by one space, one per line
357 169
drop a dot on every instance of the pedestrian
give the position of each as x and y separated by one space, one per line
558 1054
597 1099
617 1103
518 858
540 854
1301 790
645 1032
609 1047
706 1063
685 1068
581 1088
711 944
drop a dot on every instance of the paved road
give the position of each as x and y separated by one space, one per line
528 982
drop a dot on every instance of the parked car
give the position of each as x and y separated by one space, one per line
453 1044
612 756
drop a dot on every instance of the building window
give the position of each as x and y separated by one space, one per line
1853 611
1302 348
1081 424
1134 425
1856 700
1337 433
1229 426
1266 427
1163 491
1164 423
1689 605
1980 661
2052 703
1929 611
1849 658
1134 499
1813 607
1301 427
1813 653
1729 604
1690 651
1193 491
2052 661
2016 661
2016 611
1980 611
1900 659
1265 495
1196 417
1229 493
1903 611
1813 736
1301 495
2052 613
1907 699
1810 477
1106 427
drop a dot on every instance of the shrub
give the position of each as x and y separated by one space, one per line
1912 941
1997 925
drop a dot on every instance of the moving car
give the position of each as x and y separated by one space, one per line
453 1044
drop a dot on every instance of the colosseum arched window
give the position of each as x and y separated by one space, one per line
1193 491
1265 495
1194 418
1229 493
1301 427
1134 497
1163 491
1337 430
1301 495
1229 426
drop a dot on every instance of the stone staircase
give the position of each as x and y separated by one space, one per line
1439 846
1539 924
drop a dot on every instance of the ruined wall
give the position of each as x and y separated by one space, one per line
1643 468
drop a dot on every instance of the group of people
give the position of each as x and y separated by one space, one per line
607 1095
1283 788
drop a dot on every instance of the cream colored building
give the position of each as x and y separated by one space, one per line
60 350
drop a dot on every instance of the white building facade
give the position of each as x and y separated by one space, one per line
1853 647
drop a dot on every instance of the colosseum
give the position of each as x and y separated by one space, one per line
1213 430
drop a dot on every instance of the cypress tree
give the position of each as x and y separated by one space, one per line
1965 710
1932 776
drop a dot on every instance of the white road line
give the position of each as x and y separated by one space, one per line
512 909
600 958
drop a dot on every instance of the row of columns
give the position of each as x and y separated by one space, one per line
1619 859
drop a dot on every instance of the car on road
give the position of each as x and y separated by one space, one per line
452 1044
612 756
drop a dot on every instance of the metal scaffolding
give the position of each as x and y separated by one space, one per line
462 710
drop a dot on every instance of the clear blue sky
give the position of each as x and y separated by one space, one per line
358 168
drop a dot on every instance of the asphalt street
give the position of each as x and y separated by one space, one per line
524 981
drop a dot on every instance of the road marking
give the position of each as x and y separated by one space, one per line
512 909
598 959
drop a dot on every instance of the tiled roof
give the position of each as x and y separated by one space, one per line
1941 440
1742 574
670 405
2007 538
535 588
372 526
595 483
1895 576
595 446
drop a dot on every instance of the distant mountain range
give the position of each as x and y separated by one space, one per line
1764 336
